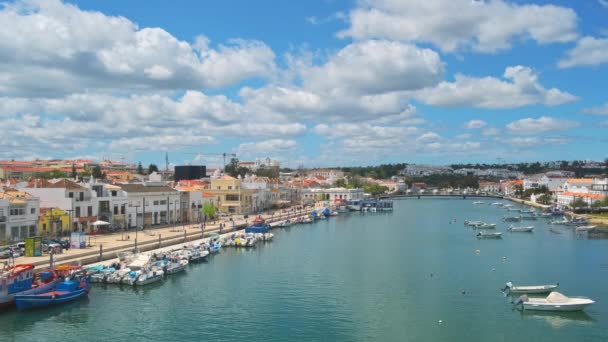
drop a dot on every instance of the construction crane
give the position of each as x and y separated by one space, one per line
223 154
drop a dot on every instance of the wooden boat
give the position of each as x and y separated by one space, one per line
528 229
20 280
64 292
484 235
584 228
555 301
529 289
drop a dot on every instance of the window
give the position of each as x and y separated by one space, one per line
115 210
232 197
229 187
155 202
89 211
17 211
81 196
71 195
2 231
44 227
163 202
122 209
33 211
32 231
77 211
114 193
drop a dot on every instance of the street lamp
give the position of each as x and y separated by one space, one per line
136 222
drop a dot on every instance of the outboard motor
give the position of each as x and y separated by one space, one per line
507 287
520 300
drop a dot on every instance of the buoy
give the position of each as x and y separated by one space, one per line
462 292
493 269
440 321
477 251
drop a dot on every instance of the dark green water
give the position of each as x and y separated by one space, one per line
356 277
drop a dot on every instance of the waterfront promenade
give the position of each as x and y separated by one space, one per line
106 246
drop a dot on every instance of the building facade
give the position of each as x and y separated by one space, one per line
18 215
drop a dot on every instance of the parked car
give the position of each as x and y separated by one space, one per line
17 251
5 252
65 244
20 246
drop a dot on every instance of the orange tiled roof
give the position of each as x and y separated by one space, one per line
208 195
580 180
576 194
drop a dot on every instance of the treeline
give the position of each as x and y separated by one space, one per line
576 166
446 181
378 172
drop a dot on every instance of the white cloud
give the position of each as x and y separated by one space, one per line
530 142
484 26
588 51
50 48
475 124
267 147
491 131
599 110
520 88
540 125
603 3
374 67
464 136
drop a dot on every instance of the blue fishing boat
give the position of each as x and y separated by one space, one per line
326 212
258 226
64 292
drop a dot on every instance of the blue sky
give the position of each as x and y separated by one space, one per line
318 83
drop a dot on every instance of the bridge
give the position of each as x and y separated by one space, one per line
441 194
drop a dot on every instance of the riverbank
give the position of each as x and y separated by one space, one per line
105 247
530 203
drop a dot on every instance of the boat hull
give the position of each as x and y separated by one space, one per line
556 307
26 302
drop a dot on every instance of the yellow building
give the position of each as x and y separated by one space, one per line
53 221
229 196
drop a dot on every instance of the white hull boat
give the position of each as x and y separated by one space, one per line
528 229
584 228
484 226
484 235
149 277
534 289
478 202
555 301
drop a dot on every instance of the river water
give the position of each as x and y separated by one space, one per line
357 277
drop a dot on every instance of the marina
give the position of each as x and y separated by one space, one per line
207 295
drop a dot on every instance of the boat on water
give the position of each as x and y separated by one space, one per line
307 220
472 223
334 213
507 206
354 205
486 235
484 225
175 265
478 202
73 288
585 228
580 221
555 301
528 211
513 229
284 223
215 247
20 280
513 209
529 218
259 226
512 218
562 221
534 289
497 204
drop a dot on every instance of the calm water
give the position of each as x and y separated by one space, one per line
357 277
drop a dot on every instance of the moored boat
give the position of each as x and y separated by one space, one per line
530 289
20 280
64 292
528 229
512 218
555 301
585 228
486 235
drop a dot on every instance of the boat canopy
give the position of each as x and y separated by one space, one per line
556 297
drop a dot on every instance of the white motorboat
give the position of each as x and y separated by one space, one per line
472 223
485 235
149 276
512 218
563 221
528 229
498 204
307 220
529 289
485 225
555 301
584 228
333 213
478 202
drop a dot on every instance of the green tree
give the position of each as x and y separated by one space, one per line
140 169
374 189
544 199
152 168
74 173
208 210
578 203
97 173
601 203
270 172
519 190
233 169
340 183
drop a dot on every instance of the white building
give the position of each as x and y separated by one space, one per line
413 170
332 194
150 205
69 196
18 215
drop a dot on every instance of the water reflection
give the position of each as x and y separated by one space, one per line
558 320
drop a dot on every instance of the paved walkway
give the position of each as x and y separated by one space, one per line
110 244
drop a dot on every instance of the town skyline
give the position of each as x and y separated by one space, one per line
325 83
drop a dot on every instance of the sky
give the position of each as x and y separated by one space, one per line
313 83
